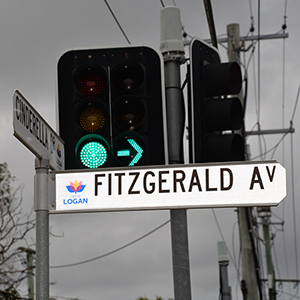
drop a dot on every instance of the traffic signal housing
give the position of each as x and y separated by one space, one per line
111 106
216 117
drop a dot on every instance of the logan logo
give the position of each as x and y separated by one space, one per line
75 187
58 150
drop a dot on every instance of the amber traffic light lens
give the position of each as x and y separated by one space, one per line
92 116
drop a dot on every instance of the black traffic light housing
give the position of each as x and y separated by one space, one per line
111 105
216 119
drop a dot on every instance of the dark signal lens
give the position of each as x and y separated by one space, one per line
127 76
91 82
128 112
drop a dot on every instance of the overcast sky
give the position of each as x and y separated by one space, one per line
35 33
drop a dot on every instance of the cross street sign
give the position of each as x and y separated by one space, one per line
170 187
35 133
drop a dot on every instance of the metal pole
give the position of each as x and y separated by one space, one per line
173 52
29 253
42 228
225 289
250 38
265 214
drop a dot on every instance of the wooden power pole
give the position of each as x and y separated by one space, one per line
249 284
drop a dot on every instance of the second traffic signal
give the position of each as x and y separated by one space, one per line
111 107
216 117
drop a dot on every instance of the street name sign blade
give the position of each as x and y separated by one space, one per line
35 133
171 187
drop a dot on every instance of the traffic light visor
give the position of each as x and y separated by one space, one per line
222 79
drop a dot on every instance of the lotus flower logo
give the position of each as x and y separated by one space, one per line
58 150
75 187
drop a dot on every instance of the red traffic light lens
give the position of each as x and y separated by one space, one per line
91 81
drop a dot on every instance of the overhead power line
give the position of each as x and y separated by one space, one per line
211 23
114 16
113 251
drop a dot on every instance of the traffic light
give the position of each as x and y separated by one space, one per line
111 106
216 117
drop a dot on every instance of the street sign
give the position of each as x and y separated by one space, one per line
170 187
35 133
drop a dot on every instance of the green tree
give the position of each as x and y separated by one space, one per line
14 228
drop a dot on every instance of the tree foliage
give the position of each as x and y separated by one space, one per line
14 228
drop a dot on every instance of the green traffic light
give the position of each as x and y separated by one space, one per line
93 155
92 151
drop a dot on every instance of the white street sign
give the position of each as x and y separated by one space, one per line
171 187
35 133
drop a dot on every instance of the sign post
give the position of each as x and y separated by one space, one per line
35 133
42 228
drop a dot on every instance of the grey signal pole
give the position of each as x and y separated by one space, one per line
42 228
173 51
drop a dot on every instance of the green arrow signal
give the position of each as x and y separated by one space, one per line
138 149
126 152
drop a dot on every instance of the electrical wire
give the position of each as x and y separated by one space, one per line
274 148
283 97
118 23
258 76
288 294
294 213
223 238
293 194
113 251
296 103
211 23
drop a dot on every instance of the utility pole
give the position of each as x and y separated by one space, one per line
29 254
265 215
225 289
172 49
249 284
